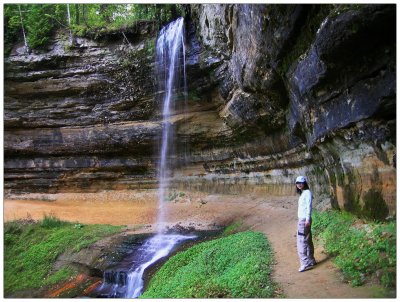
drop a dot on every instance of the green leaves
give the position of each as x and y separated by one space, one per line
237 266
362 249
30 250
40 20
34 18
39 27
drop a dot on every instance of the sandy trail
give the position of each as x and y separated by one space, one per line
275 216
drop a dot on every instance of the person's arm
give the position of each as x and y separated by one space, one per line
308 207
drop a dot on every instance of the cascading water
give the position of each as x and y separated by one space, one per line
126 281
170 64
154 249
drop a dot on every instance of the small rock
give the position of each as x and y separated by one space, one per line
202 201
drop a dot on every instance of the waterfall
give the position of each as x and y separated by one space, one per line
170 64
126 280
153 250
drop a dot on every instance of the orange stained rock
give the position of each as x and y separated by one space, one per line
92 287
67 286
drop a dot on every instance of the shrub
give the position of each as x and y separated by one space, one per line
51 221
236 266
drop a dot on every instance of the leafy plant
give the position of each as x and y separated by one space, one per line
51 221
236 266
172 195
361 249
39 27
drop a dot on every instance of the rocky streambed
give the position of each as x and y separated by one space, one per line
106 266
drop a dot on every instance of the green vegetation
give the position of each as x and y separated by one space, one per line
233 228
172 195
31 20
361 250
236 266
39 21
31 248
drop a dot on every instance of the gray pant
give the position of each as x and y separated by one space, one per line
305 246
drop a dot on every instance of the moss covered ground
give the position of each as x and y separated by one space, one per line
234 266
31 249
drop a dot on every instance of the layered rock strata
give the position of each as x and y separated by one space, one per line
273 91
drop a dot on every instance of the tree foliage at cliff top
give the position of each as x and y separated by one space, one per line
237 266
38 21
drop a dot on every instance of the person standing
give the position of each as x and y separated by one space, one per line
305 246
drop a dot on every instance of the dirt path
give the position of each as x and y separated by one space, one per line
275 216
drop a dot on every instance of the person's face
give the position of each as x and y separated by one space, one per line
300 185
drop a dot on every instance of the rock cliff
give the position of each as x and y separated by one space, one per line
273 91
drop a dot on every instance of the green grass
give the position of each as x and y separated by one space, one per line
31 249
236 266
233 228
361 249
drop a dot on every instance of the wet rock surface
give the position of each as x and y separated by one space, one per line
112 261
273 91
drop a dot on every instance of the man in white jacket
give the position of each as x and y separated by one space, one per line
305 246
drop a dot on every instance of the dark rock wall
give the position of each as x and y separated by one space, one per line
273 91
320 79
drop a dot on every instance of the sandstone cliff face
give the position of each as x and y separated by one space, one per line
320 80
274 91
